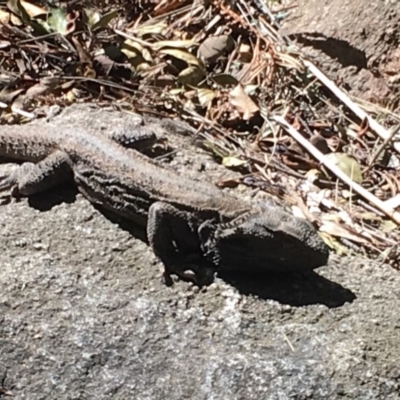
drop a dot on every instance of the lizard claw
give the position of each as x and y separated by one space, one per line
167 277
9 180
198 275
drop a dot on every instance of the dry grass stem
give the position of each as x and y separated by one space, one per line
394 215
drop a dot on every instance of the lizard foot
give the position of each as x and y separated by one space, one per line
198 274
8 181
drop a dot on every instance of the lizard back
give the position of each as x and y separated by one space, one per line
113 176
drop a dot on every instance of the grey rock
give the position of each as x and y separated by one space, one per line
84 315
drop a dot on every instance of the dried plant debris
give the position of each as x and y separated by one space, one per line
258 103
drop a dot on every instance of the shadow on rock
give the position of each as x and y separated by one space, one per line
340 50
137 231
297 289
45 201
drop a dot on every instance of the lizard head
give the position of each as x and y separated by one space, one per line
266 239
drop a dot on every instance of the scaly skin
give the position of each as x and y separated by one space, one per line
192 226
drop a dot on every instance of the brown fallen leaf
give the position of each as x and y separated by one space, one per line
242 102
214 47
166 6
183 55
33 11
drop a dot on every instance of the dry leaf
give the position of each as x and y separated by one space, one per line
4 17
166 6
233 162
46 85
104 20
18 8
388 226
206 96
343 231
7 96
191 76
245 53
243 103
31 10
4 44
155 29
176 44
313 174
135 53
334 244
214 47
83 54
131 48
91 17
224 80
184 56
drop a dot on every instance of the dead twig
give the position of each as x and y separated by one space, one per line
393 131
375 126
394 215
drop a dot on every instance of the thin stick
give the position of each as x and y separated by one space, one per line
18 111
394 215
375 126
394 131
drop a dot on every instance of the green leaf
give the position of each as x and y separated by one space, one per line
348 165
57 21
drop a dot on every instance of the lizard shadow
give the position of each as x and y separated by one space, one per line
45 201
137 231
295 289
67 193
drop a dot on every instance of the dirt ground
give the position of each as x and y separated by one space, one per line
84 313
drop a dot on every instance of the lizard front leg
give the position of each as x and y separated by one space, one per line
29 178
173 236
